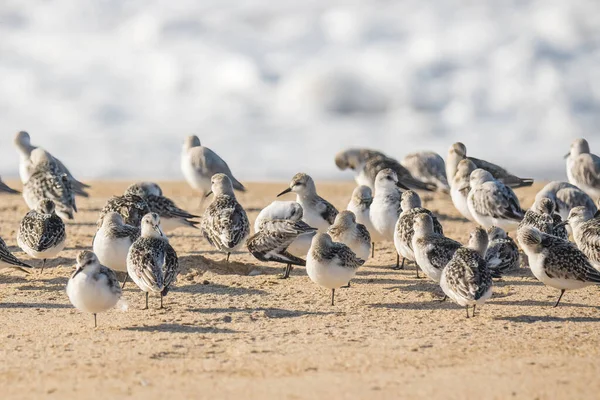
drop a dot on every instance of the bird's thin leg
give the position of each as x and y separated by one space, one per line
467 308
228 254
161 301
443 299
347 286
145 308
474 306
372 249
332 297
559 297
417 269
95 322
43 266
125 281
286 272
397 267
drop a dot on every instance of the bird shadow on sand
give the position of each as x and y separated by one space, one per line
446 217
421 305
177 328
530 319
75 223
379 281
214 288
537 303
221 267
423 286
268 312
34 305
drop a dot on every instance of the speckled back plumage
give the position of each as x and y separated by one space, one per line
111 278
131 207
118 231
225 223
47 182
467 274
405 225
587 237
336 250
376 164
439 249
154 262
7 257
496 200
502 255
41 232
326 209
270 243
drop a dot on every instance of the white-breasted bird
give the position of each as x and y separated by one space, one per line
461 186
428 167
583 168
346 230
566 197
502 255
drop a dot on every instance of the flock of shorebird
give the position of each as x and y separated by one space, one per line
311 232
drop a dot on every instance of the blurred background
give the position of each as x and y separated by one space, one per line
275 87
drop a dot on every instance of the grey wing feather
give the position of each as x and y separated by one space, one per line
586 169
496 201
347 256
170 267
501 174
5 188
566 261
208 163
7 257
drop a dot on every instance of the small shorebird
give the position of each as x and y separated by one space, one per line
586 232
199 164
583 168
331 265
271 241
360 205
493 203
42 233
318 212
385 209
432 250
151 262
287 210
131 207
5 189
566 197
355 159
556 262
112 242
461 186
428 167
458 152
542 217
27 165
346 230
47 182
502 255
171 216
225 223
93 288
466 278
8 260
404 230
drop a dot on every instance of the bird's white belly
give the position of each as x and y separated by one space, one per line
536 262
362 180
384 220
112 253
193 177
24 169
423 262
460 203
46 254
328 275
314 219
89 295
300 246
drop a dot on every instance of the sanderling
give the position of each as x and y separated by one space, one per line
466 278
318 212
93 288
385 209
131 207
432 250
331 265
493 203
171 216
542 217
112 242
47 182
404 230
42 233
458 151
556 262
27 165
566 197
428 167
461 186
502 255
272 239
224 223
355 159
151 262
6 189
8 260
586 232
583 168
368 174
346 230
360 205
288 210
199 164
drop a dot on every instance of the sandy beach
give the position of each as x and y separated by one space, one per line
237 331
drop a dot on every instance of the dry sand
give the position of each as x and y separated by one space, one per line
228 333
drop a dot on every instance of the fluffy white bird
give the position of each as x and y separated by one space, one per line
583 168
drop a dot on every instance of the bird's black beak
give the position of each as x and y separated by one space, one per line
284 192
567 155
208 194
157 229
401 186
78 270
